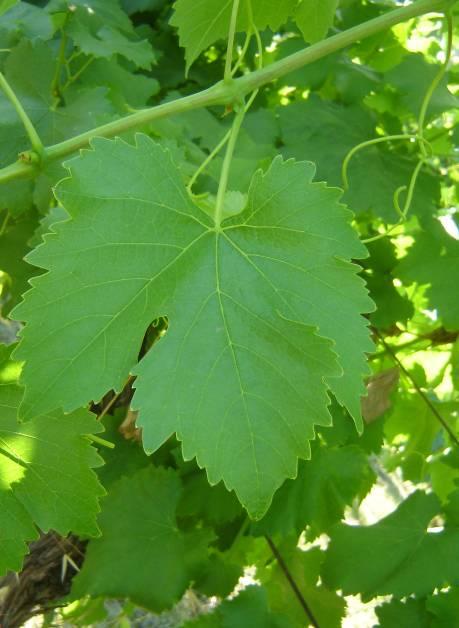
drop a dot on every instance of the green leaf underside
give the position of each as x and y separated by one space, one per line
242 374
46 476
138 526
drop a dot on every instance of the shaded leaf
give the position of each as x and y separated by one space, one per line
141 554
397 555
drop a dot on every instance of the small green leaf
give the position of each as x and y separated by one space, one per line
314 18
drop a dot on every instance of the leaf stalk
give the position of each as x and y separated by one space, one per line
34 138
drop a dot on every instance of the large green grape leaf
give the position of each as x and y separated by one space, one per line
141 553
201 23
46 476
242 373
397 555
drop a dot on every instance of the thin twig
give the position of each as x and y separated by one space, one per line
292 583
113 400
435 338
418 389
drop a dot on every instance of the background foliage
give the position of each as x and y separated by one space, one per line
240 322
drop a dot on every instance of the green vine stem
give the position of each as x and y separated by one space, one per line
226 137
26 121
376 140
436 81
92 438
61 62
73 77
217 148
401 212
223 94
223 183
245 47
229 51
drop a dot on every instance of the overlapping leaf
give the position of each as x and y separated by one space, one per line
201 23
46 476
320 493
241 372
324 132
250 607
141 553
30 71
434 260
397 555
314 18
326 606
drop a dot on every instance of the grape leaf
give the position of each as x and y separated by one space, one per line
395 556
391 306
314 18
434 259
94 36
324 132
29 70
413 77
318 496
395 614
444 607
202 23
141 553
14 244
6 5
249 608
125 87
327 607
47 478
234 299
25 20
